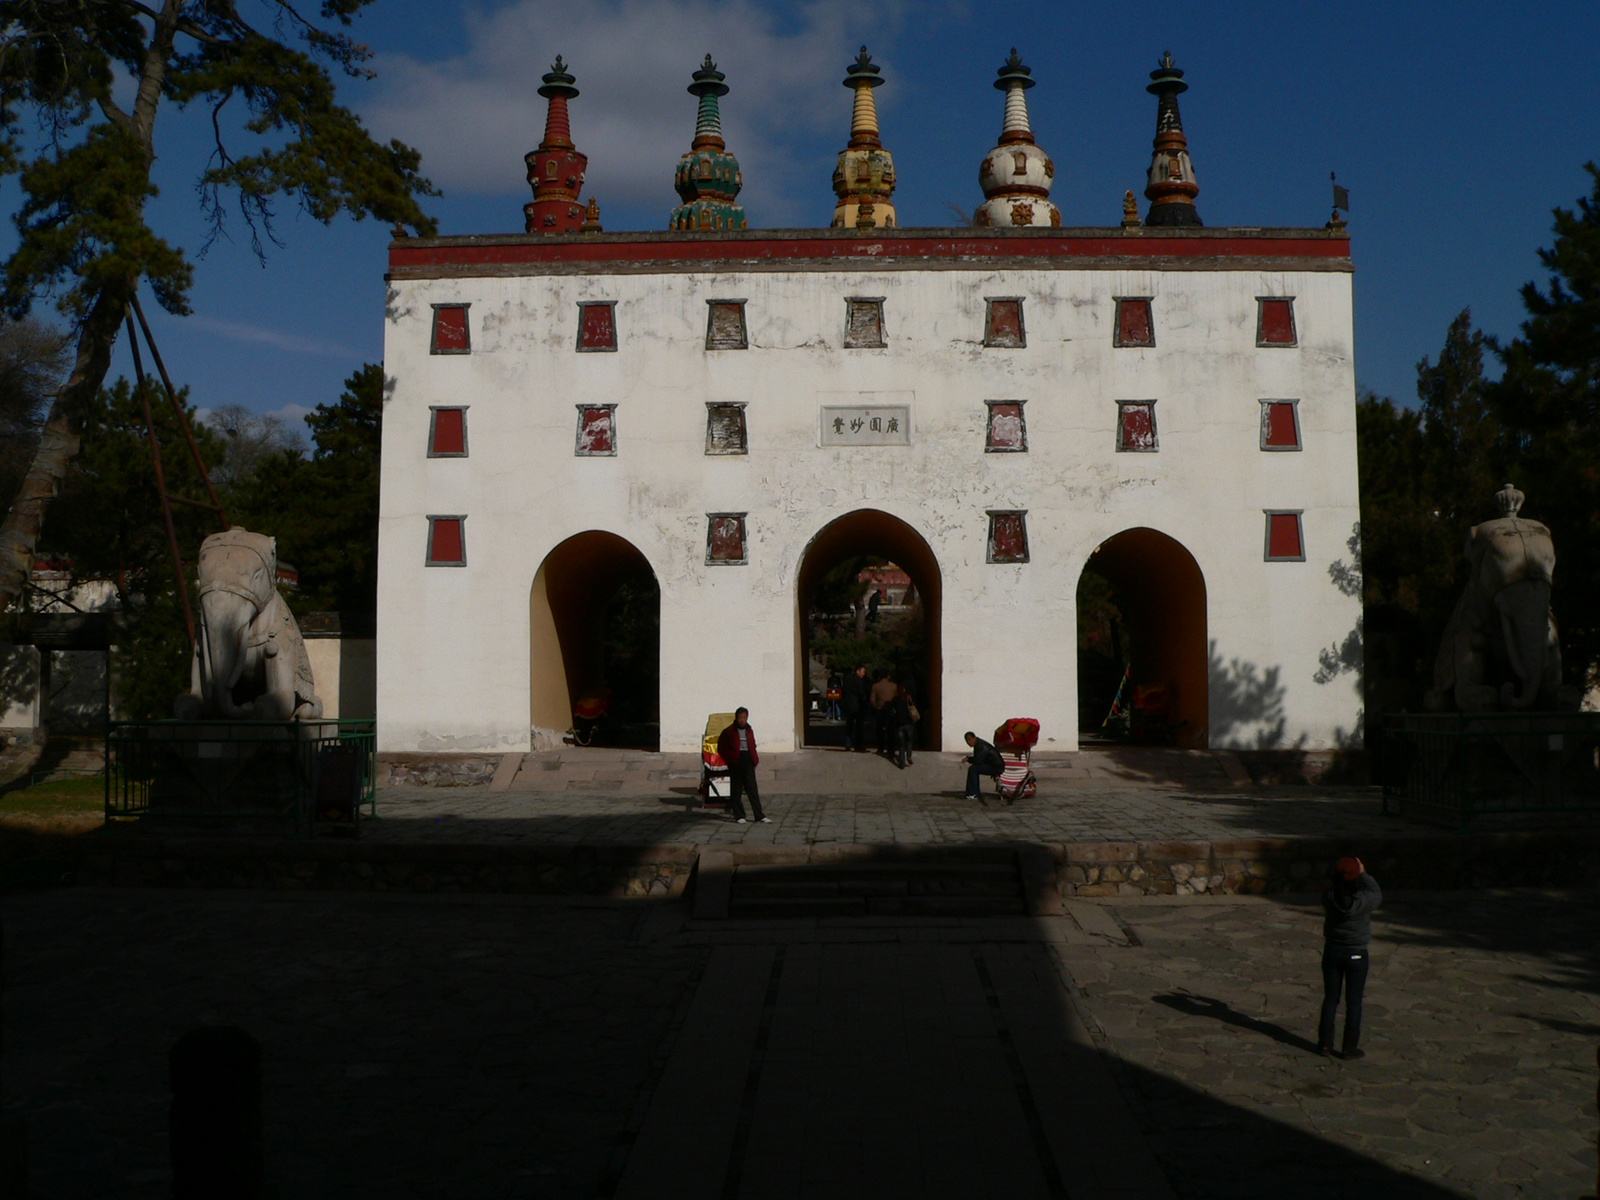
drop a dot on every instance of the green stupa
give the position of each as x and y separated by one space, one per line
708 178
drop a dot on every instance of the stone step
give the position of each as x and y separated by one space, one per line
876 906
945 888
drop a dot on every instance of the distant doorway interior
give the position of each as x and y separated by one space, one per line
595 643
1142 614
869 591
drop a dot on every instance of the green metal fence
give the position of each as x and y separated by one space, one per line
1453 767
294 777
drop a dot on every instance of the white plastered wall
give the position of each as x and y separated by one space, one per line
453 643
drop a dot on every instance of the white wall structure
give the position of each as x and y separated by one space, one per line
458 654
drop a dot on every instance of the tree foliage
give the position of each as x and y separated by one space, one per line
85 161
323 508
1548 402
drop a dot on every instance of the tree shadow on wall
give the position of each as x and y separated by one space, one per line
1348 655
1246 703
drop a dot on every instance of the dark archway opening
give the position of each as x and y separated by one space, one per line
860 555
1142 642
595 626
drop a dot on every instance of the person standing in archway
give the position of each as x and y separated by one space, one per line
883 694
854 702
737 748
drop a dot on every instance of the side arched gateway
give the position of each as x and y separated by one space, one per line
914 651
594 618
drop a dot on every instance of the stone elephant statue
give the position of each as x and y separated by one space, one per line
250 662
1500 648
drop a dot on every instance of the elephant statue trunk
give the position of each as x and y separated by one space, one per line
224 638
250 662
1531 651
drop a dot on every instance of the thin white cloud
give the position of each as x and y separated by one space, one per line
475 115
292 343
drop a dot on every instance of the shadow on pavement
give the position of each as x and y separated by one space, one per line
1220 1010
572 1048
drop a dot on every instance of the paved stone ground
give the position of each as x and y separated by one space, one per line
1481 1028
831 796
1130 794
509 1047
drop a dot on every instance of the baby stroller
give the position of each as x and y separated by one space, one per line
713 771
1015 739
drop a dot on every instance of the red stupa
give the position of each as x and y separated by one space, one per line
556 169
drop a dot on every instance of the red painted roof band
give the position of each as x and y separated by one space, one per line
480 251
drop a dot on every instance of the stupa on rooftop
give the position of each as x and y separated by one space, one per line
1172 187
708 177
556 169
1016 175
864 179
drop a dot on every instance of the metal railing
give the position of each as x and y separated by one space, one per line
297 777
1454 767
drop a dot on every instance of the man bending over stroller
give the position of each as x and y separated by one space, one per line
984 760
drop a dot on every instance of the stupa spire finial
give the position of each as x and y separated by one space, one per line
1172 186
864 179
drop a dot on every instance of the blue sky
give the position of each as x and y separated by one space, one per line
1457 128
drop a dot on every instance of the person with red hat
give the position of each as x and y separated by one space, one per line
1346 932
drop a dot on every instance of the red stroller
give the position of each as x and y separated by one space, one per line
1015 740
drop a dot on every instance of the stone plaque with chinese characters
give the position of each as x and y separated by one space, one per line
866 425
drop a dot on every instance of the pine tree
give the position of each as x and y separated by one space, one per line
1548 401
85 166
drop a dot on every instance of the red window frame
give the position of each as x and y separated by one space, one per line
1275 323
452 329
597 326
447 431
1280 425
1006 408
1136 427
996 331
1008 536
1135 324
447 541
1285 535
595 448
727 540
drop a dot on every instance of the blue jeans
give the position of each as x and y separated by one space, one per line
973 771
1344 968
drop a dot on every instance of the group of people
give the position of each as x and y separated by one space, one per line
888 706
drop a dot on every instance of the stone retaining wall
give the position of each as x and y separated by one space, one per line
1266 865
437 770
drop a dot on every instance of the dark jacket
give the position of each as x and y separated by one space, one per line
898 712
986 758
1349 911
728 745
855 689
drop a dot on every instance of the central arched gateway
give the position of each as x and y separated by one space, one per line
864 532
594 629
1161 594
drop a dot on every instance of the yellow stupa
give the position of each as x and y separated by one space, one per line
864 179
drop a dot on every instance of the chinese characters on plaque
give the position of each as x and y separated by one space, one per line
866 425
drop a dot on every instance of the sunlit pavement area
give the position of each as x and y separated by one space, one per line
510 1046
820 796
